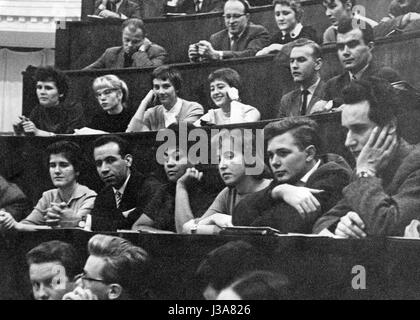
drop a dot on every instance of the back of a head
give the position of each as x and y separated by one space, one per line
262 285
383 102
228 262
56 251
126 264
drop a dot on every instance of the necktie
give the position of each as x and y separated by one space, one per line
234 43
304 102
128 61
112 7
197 6
118 197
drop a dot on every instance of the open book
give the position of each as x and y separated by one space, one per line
250 231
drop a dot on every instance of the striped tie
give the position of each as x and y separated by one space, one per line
118 197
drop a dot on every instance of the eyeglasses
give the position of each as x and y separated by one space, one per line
233 16
105 92
82 276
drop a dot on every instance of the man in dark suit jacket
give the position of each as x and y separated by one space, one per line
126 193
200 6
137 51
240 38
120 9
384 195
354 48
305 64
404 15
294 200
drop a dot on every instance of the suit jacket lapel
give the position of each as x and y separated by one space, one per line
318 95
119 63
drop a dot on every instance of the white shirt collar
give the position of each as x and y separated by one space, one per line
122 188
312 88
295 32
359 74
306 177
172 114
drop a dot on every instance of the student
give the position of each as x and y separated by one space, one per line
168 106
233 168
224 92
288 15
70 204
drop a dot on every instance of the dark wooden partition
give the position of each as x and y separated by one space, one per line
320 268
82 42
264 80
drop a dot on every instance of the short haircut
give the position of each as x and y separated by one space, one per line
383 102
133 24
228 262
71 151
245 3
105 139
228 75
248 139
347 25
353 2
125 263
262 285
168 73
113 82
303 42
295 5
304 130
52 74
56 251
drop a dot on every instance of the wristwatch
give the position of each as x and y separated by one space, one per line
365 174
194 229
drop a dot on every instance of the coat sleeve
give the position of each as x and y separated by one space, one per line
154 57
382 213
259 39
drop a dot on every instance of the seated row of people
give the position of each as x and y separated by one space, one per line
311 192
161 106
242 38
115 269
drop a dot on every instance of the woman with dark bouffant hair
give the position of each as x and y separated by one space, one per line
52 115
225 85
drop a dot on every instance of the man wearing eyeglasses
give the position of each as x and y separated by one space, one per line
241 38
114 270
354 49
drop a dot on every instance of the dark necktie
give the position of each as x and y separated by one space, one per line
304 102
234 43
118 197
197 6
128 61
112 7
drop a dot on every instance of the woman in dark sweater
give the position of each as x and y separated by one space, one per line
52 115
288 14
112 95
